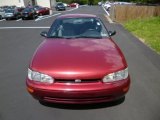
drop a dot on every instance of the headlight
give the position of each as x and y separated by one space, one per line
120 75
39 77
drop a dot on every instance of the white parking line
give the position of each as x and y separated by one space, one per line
41 18
107 16
48 16
72 9
22 27
109 19
3 20
106 11
19 19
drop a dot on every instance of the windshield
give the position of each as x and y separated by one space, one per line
9 11
27 10
38 8
1 10
60 4
77 28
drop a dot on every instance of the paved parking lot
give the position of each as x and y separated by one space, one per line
18 41
53 12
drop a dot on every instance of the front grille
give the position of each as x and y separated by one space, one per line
74 80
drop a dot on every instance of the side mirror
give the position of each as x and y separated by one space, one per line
44 34
111 33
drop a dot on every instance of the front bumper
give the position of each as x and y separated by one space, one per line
9 17
61 8
26 16
78 93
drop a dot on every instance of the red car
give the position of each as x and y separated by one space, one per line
42 10
74 5
78 63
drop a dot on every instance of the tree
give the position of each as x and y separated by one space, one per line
93 2
146 1
82 2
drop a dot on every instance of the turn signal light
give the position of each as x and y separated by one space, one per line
30 90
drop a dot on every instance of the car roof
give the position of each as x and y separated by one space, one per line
76 15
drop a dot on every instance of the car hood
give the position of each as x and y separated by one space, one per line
60 6
26 12
77 58
9 13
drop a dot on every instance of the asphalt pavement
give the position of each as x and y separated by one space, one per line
19 40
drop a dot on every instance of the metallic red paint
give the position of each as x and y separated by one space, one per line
78 59
74 5
43 11
81 58
79 93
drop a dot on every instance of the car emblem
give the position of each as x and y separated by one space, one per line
77 81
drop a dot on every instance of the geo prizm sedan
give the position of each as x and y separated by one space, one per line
78 63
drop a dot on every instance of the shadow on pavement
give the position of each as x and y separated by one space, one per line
84 106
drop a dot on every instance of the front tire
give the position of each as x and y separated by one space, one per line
43 103
17 17
33 17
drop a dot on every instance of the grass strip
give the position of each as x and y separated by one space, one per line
148 30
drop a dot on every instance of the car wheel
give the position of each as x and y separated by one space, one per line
17 17
43 103
33 17
118 101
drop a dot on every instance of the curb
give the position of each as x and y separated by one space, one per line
107 16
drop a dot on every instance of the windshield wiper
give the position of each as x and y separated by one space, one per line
57 37
62 37
83 36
